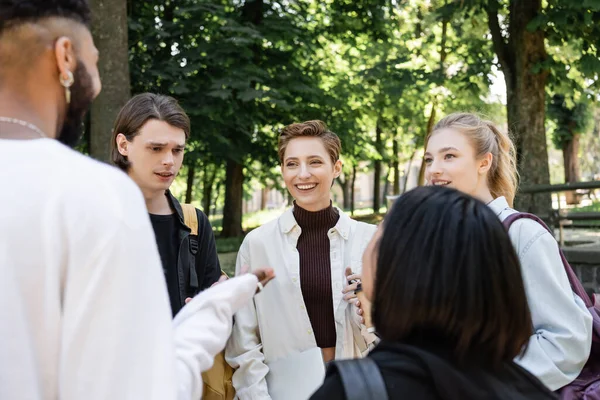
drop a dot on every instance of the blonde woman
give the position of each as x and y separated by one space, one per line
470 154
309 305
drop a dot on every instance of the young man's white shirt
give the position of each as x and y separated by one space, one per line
277 324
562 338
84 311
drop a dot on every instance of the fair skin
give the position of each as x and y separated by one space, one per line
451 160
155 155
32 92
308 172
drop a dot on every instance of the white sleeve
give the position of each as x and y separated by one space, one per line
202 328
561 343
116 340
244 349
119 340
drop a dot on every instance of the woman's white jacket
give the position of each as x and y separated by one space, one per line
276 324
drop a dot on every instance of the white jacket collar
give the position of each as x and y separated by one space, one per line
498 205
287 223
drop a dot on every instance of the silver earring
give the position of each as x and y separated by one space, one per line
67 83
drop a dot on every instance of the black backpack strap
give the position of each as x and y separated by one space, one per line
190 218
361 379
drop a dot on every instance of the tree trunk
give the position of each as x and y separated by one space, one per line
526 97
208 182
352 189
571 164
430 123
109 28
386 185
345 185
234 193
264 197
377 169
190 183
217 196
531 108
396 167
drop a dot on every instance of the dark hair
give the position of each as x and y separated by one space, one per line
447 270
15 12
139 110
315 128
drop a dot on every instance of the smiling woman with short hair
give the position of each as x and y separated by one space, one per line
309 246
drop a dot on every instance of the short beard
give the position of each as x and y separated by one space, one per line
82 94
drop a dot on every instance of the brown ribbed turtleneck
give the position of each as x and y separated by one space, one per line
315 270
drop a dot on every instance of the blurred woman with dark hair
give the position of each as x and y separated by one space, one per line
448 303
470 154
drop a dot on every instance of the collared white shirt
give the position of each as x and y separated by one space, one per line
277 325
561 342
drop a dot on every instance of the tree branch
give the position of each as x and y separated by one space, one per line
500 46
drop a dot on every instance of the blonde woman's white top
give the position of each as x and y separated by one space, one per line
276 324
562 338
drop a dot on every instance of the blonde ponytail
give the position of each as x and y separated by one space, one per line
487 138
503 179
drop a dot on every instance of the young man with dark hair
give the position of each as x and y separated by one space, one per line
148 142
84 312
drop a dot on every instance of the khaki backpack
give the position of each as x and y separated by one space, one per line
218 383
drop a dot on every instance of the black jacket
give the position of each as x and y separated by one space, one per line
426 373
197 262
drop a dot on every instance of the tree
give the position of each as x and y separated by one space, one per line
573 85
239 70
521 53
109 28
570 123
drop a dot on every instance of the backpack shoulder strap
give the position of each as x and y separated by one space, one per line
190 217
576 285
508 221
361 379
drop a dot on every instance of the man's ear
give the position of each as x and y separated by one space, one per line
66 61
122 144
485 163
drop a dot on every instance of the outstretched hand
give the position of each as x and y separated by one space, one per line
264 276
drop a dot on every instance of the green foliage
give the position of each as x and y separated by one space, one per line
244 69
569 120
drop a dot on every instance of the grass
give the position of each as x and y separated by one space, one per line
594 207
249 221
228 245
